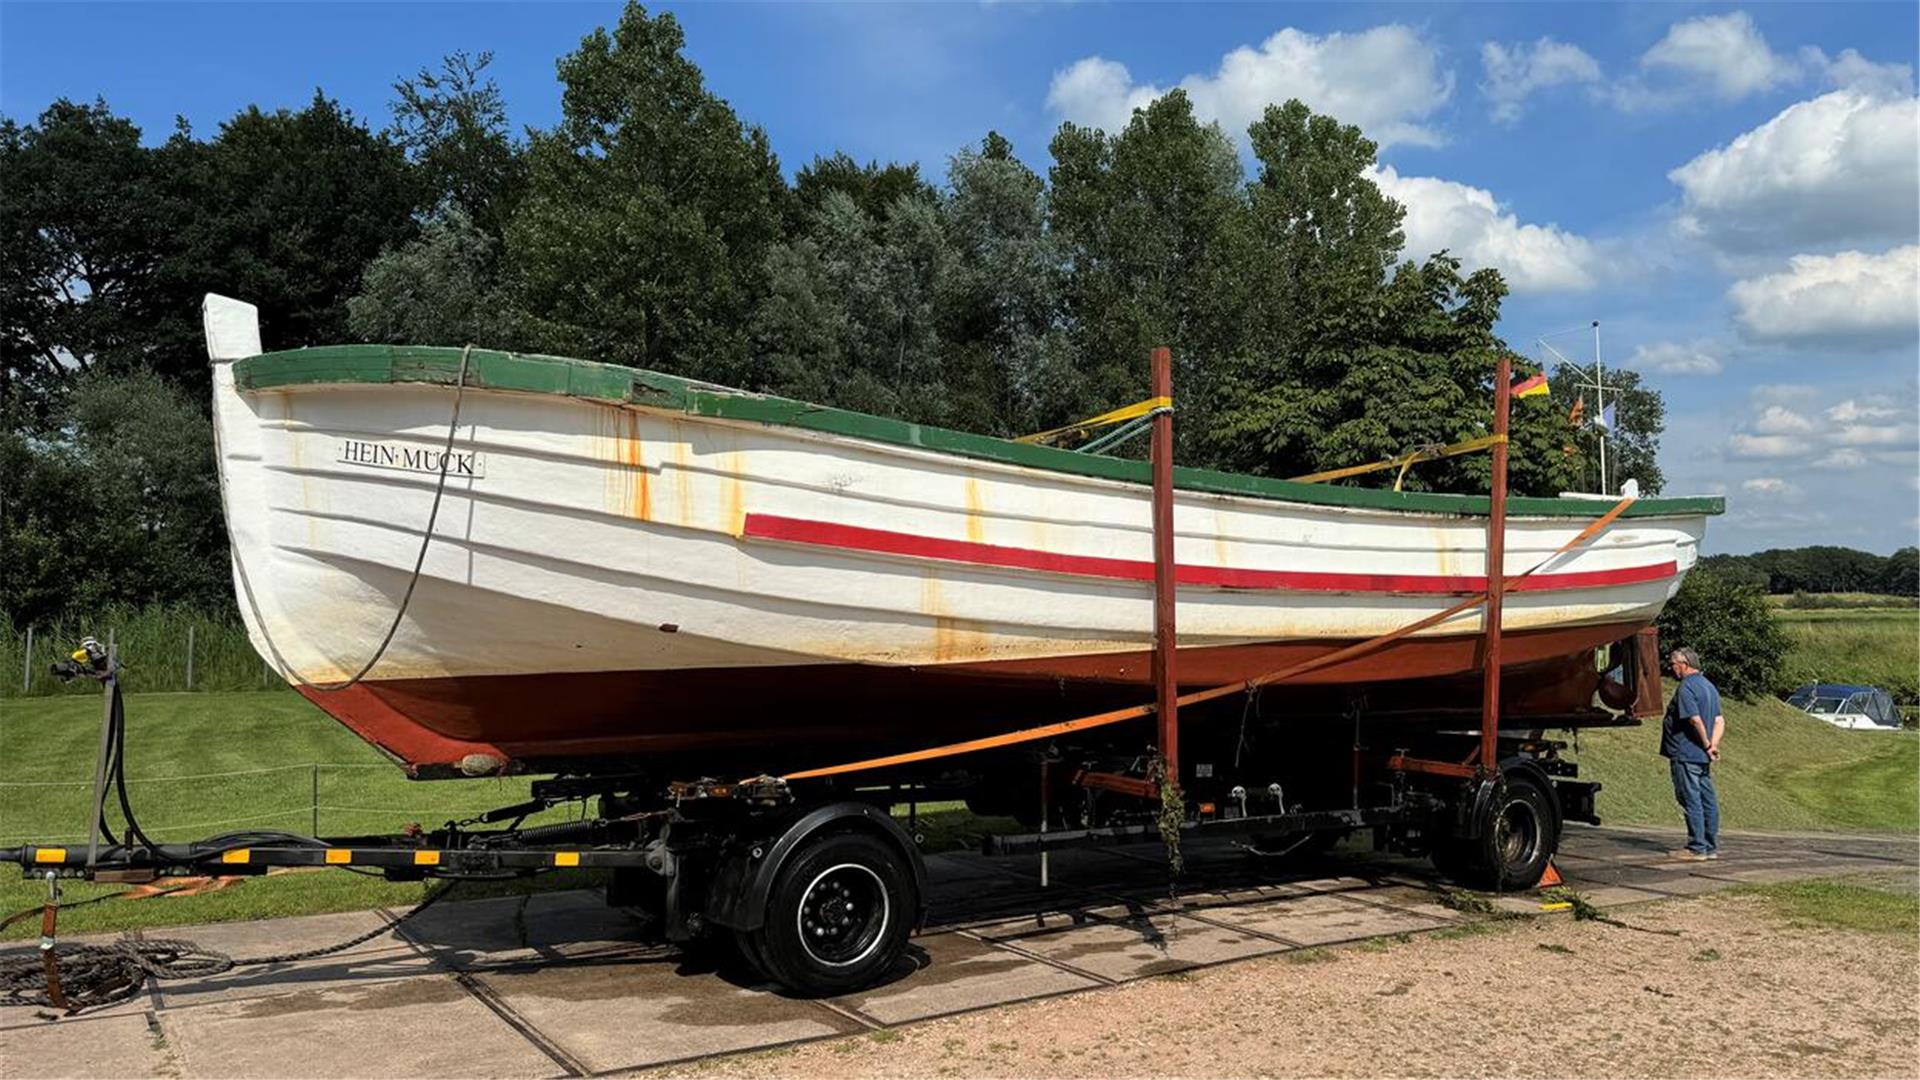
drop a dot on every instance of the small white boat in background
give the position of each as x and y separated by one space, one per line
631 564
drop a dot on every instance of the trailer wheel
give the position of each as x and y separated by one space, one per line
838 916
1521 834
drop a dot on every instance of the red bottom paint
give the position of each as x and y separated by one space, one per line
747 720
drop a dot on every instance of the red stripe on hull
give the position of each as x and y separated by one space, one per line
885 542
772 718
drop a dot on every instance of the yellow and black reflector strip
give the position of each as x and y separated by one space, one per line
339 856
50 855
566 858
237 855
426 858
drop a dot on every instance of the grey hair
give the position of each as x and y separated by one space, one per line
1690 655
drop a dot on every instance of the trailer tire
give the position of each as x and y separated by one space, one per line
838 916
1520 835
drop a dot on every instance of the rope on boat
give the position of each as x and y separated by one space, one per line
1046 731
1147 407
94 975
1404 461
419 561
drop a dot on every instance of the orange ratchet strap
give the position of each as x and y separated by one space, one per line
1117 716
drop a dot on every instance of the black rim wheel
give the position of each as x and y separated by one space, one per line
843 915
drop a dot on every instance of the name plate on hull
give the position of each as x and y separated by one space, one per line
420 459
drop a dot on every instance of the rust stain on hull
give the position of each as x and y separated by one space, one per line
619 443
976 526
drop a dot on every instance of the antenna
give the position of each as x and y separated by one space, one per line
1596 381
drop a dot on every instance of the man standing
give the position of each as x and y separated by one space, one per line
1690 740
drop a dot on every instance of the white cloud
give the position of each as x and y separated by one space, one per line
1744 445
1780 420
1471 224
1851 71
1387 80
1725 53
1770 485
1850 300
1840 168
1875 435
1676 358
1843 458
1515 72
1876 407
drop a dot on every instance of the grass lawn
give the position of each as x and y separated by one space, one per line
1780 769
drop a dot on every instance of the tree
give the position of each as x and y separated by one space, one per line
649 212
282 210
1150 220
118 504
1742 648
850 319
85 227
873 187
441 288
1633 443
1001 306
453 125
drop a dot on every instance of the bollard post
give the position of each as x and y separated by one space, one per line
26 666
316 800
189 656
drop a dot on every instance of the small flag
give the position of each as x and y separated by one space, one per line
1531 387
1605 421
1577 413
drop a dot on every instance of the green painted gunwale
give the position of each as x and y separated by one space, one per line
439 365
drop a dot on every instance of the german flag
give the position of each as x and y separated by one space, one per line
1530 387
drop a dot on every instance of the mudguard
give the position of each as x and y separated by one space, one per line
737 894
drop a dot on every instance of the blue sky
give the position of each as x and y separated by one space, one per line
1731 190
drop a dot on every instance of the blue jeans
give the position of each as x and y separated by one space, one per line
1693 788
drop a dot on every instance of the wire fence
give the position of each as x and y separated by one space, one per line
160 648
314 798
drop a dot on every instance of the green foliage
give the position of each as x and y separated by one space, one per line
441 288
116 504
873 187
153 643
1640 416
649 211
1741 648
1822 568
1880 648
453 125
1843 905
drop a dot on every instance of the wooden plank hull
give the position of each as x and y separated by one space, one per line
623 577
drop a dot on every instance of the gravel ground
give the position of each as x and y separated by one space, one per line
1737 993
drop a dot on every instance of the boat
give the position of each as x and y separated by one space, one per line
630 567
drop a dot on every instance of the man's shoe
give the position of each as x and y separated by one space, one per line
1689 855
1714 854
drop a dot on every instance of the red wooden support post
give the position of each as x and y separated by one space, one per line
1166 688
1496 568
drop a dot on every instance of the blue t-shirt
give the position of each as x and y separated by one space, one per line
1695 697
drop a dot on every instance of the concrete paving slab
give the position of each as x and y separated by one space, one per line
963 890
1415 901
558 925
620 1014
384 959
425 1026
1147 945
116 1043
962 973
1322 919
1032 925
